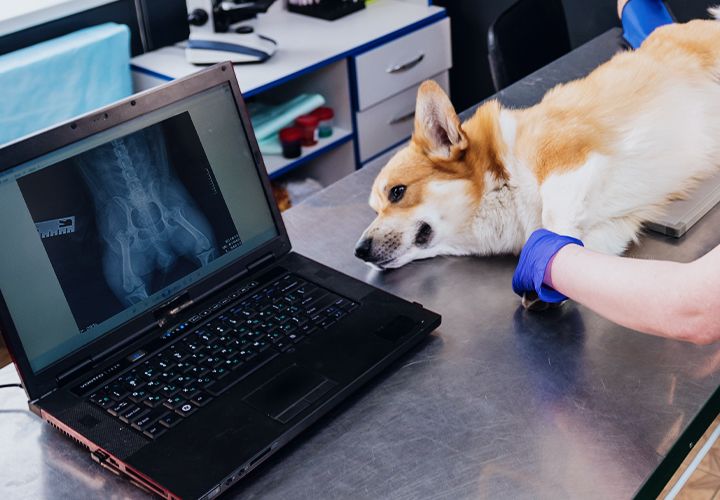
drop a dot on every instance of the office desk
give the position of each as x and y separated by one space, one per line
498 403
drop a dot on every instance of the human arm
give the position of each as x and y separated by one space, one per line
669 299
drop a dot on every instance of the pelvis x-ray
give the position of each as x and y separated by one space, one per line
125 219
144 215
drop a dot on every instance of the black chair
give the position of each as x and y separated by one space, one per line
524 38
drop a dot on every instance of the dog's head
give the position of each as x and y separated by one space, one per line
426 195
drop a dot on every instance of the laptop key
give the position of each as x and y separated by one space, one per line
288 328
102 400
179 355
149 373
312 297
153 386
148 418
298 320
169 390
155 431
232 363
283 345
218 373
168 376
119 407
186 409
169 420
189 391
174 401
327 323
134 382
212 362
132 413
204 381
294 337
321 304
260 345
316 318
165 364
201 399
341 302
307 329
305 289
117 391
184 380
138 396
153 400
246 354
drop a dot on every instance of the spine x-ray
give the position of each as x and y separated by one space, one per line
145 216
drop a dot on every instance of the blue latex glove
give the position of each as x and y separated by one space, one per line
641 17
540 248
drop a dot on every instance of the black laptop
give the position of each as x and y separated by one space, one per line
152 303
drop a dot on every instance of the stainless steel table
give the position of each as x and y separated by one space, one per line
498 403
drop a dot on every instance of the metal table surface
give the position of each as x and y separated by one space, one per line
498 403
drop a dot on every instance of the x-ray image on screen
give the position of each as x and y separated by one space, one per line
144 215
137 213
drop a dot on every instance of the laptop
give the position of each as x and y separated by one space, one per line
151 301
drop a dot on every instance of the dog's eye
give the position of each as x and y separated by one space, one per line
396 193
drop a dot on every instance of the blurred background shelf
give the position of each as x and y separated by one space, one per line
277 165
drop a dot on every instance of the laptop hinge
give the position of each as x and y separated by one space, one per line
168 311
261 262
70 374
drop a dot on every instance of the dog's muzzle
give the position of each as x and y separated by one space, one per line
363 250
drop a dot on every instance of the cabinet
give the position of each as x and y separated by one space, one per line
367 65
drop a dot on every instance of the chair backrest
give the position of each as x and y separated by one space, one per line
526 37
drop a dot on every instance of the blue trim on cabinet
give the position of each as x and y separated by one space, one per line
432 19
303 160
149 72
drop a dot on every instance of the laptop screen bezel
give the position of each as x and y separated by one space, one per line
45 380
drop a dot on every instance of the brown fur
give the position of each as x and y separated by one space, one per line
575 119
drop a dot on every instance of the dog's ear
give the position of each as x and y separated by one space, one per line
437 127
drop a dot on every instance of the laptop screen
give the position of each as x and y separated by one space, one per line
104 229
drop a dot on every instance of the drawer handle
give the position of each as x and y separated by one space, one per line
403 118
399 68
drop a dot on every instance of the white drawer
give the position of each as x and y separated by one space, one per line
391 120
380 161
395 66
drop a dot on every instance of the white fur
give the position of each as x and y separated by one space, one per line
672 142
522 183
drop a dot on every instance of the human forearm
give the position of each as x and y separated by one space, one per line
657 297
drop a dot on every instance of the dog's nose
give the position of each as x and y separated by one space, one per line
362 250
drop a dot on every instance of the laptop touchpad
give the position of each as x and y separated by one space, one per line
289 392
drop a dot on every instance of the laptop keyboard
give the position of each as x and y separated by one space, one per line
217 348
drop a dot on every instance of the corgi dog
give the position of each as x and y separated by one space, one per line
594 159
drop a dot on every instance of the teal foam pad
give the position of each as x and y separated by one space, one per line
56 80
267 120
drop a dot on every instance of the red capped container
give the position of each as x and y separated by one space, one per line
308 124
325 117
290 140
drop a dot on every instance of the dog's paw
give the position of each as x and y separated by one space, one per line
531 302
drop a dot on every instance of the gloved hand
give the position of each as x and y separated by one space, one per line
640 18
539 249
